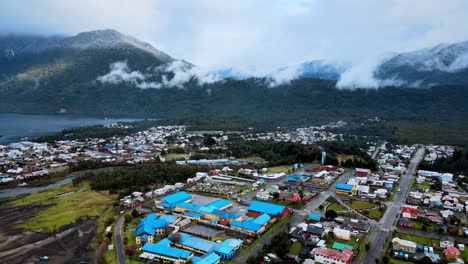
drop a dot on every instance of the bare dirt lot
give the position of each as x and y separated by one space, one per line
67 244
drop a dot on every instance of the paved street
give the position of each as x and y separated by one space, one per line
378 235
119 247
296 218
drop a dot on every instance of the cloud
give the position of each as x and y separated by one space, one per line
120 72
255 34
174 74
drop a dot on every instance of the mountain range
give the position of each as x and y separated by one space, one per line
104 72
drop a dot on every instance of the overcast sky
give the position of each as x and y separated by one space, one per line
253 33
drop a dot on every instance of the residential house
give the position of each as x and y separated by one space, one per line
403 245
452 253
403 222
331 256
409 211
342 233
447 242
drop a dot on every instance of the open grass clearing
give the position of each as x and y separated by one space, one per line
420 240
254 159
336 207
359 204
68 204
424 185
176 156
282 168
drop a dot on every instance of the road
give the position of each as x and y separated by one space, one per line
119 247
377 237
296 218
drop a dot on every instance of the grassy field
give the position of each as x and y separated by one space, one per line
375 213
336 207
68 205
464 255
398 261
176 156
424 185
203 132
110 257
358 204
254 159
282 168
419 239
295 248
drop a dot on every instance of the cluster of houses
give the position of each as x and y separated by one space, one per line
366 184
434 152
301 187
305 135
451 251
22 160
315 233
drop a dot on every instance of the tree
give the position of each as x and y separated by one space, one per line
425 260
135 213
385 259
128 218
331 214
367 246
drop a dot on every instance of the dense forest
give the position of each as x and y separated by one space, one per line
284 153
142 178
238 104
456 164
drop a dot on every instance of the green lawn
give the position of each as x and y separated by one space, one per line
295 248
430 226
464 255
358 204
375 213
176 156
64 209
202 132
110 257
282 168
420 240
254 159
336 207
424 185
398 261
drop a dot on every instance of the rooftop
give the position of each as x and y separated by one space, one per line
268 208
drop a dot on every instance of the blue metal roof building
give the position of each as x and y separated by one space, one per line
314 216
297 177
248 225
266 208
219 204
173 199
149 224
344 186
163 250
262 219
210 258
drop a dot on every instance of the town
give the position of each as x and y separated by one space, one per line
231 209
